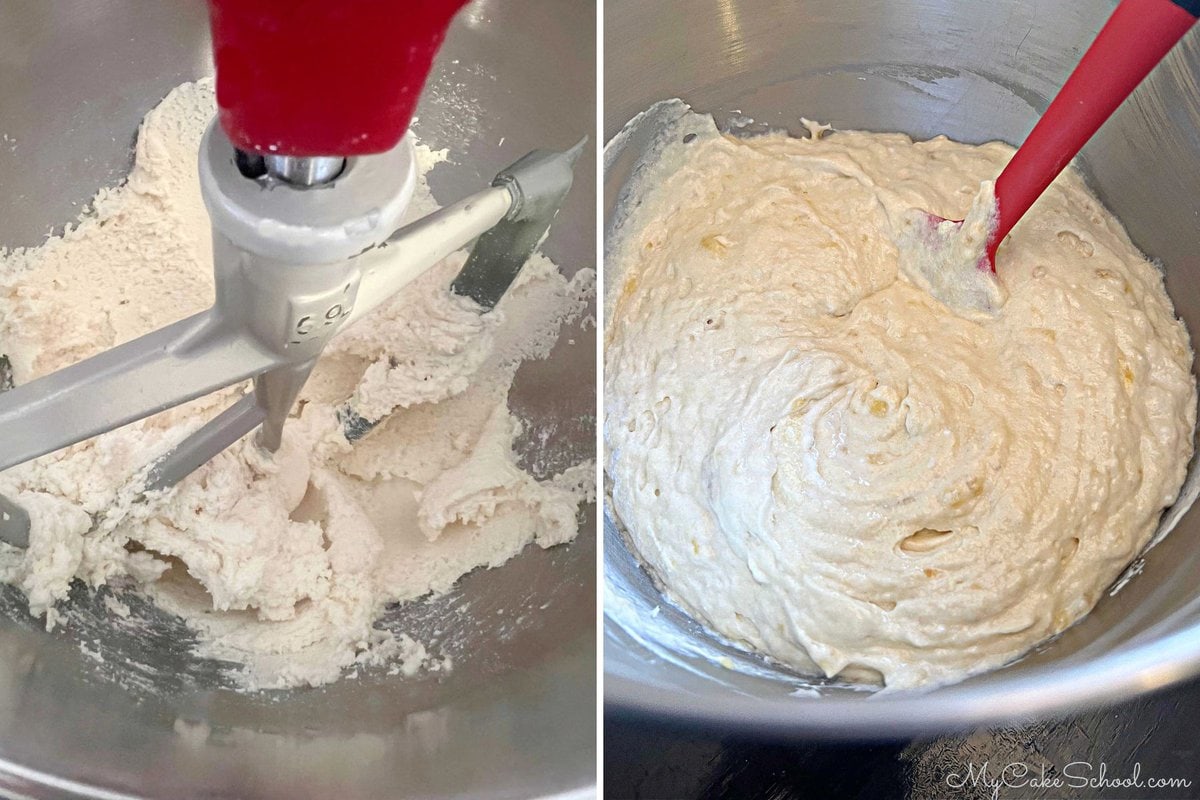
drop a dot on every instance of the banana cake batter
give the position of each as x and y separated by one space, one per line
824 462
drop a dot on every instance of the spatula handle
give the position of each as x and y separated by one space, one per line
1136 37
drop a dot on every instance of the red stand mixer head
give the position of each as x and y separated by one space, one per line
323 77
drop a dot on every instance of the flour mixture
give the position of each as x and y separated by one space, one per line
826 464
279 563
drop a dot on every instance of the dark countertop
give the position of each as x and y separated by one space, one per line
1160 731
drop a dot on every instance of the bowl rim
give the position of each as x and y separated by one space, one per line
1042 692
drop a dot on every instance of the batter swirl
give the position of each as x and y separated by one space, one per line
823 462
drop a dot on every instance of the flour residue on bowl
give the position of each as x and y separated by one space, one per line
280 564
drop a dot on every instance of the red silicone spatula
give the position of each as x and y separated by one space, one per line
1136 37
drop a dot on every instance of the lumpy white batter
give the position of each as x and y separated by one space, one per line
823 462
280 563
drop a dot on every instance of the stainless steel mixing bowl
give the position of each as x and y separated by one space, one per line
516 716
975 70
